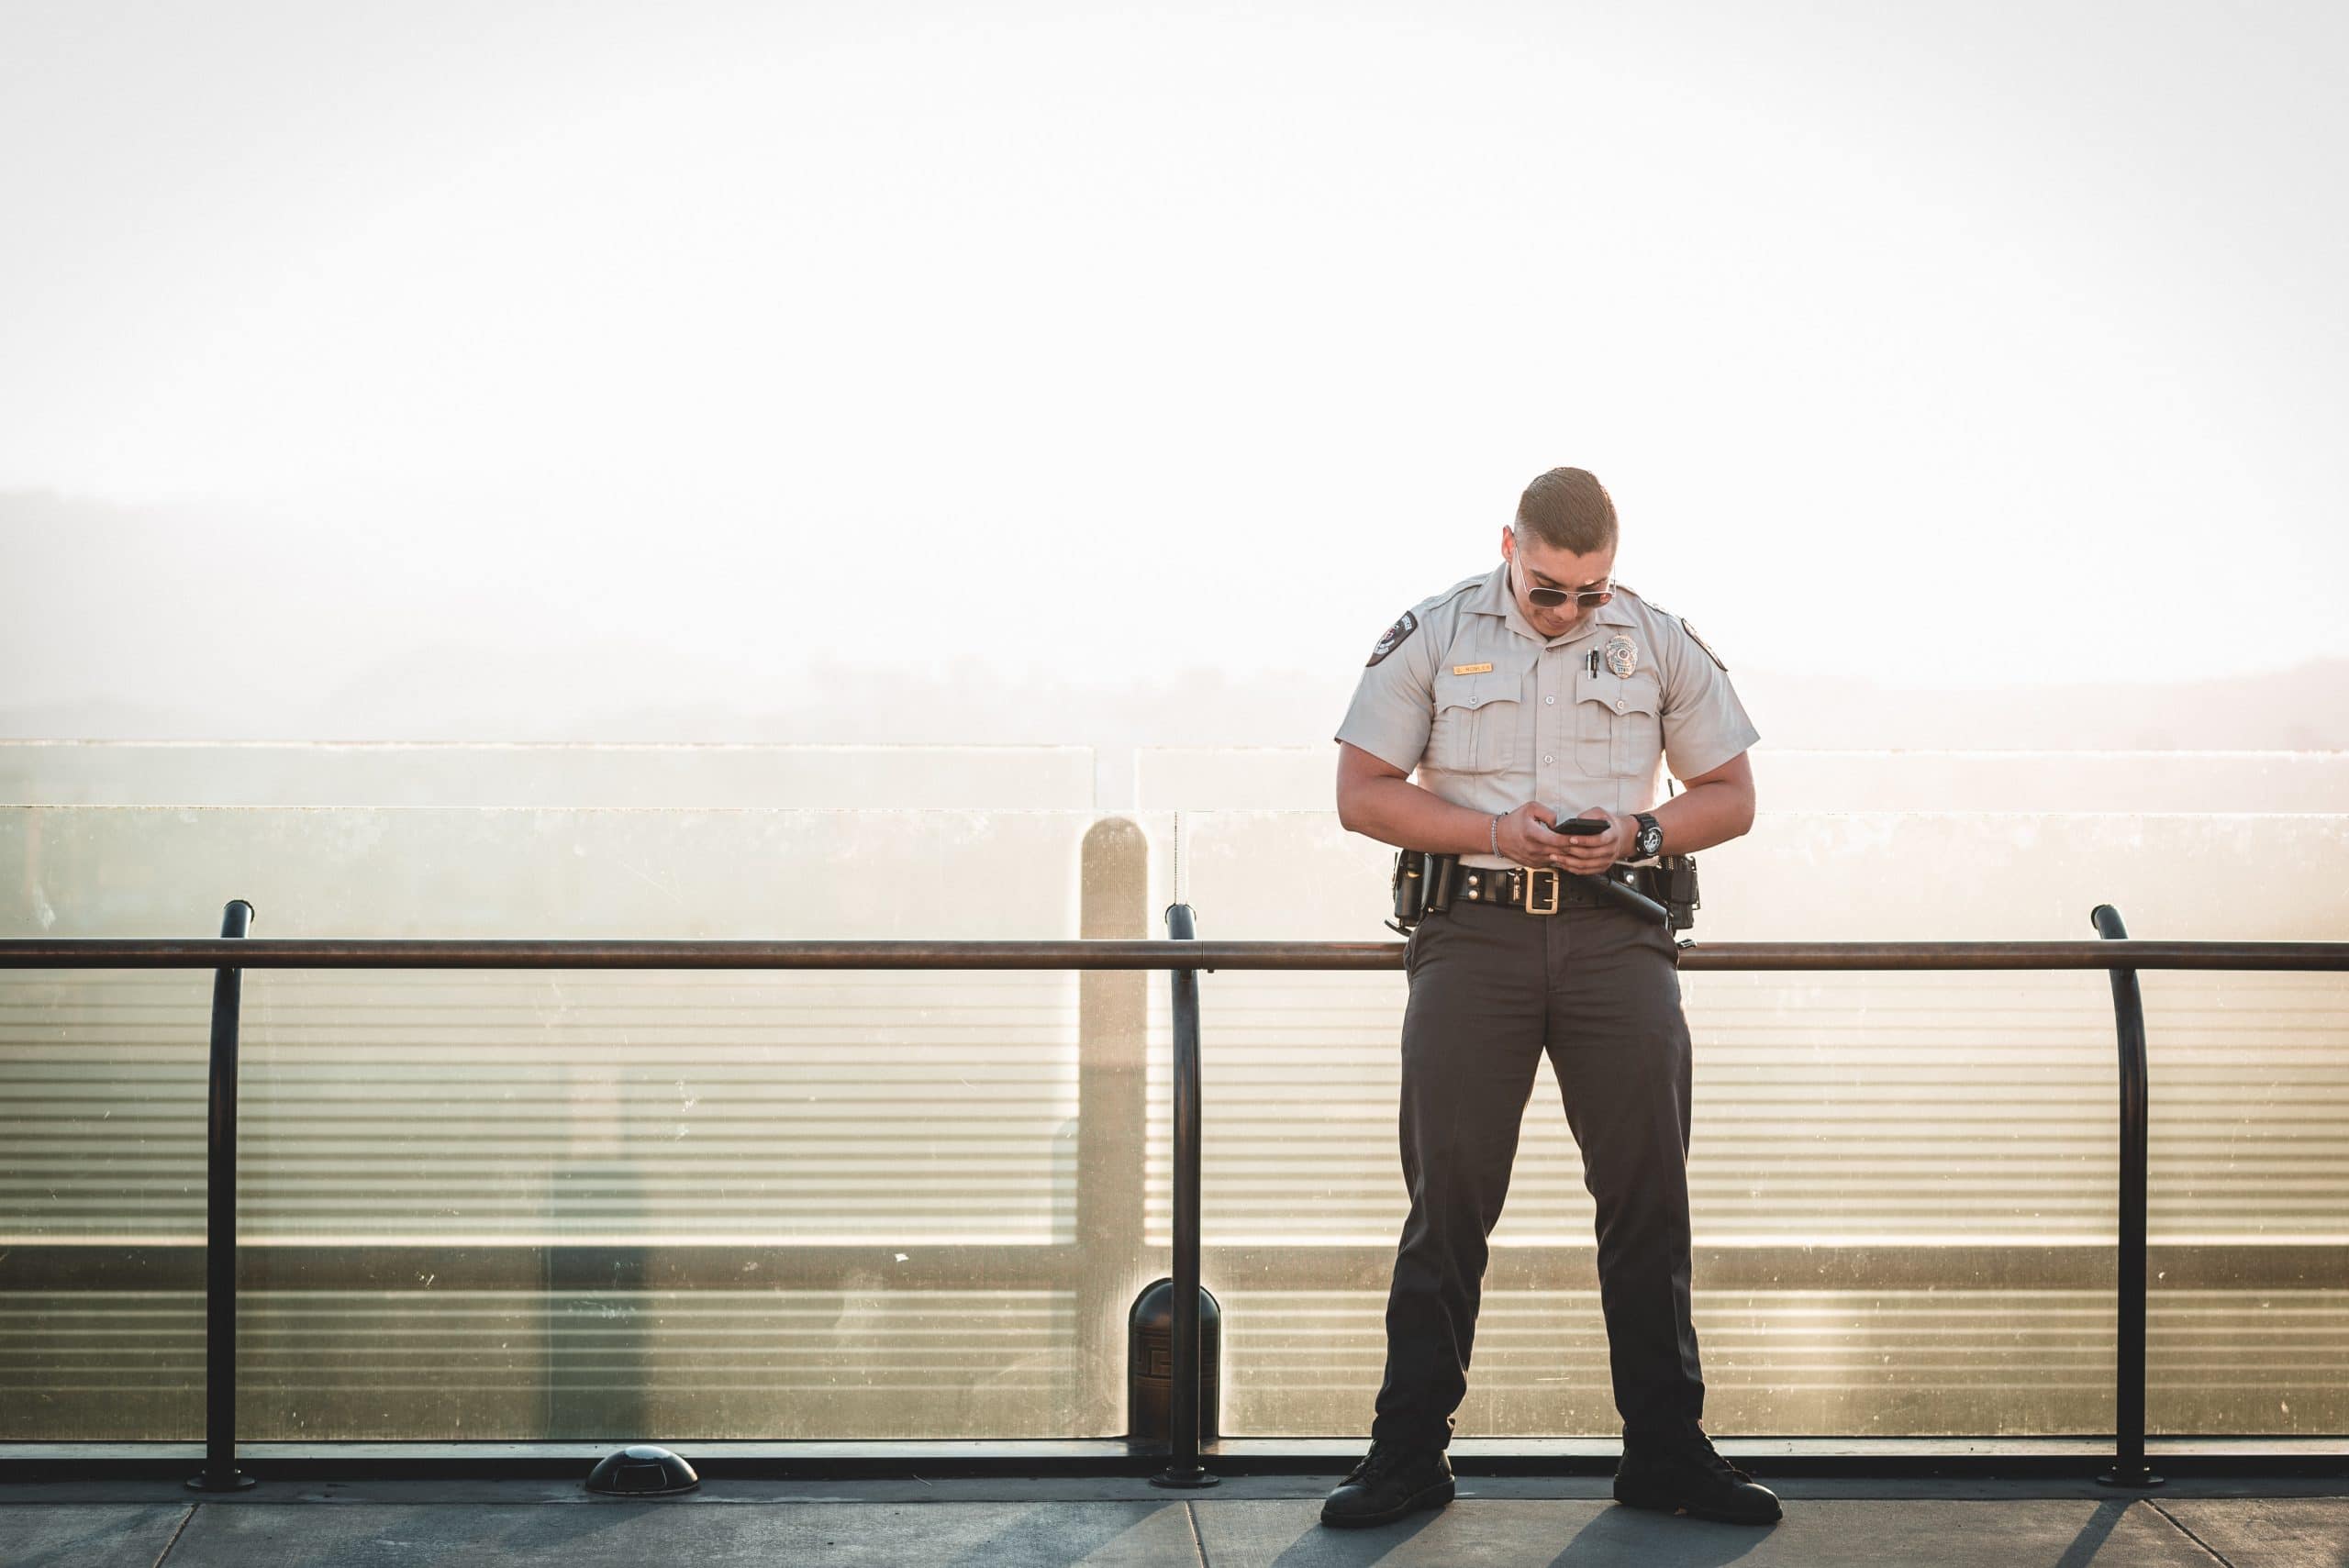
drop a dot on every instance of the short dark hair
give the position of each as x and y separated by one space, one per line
1568 509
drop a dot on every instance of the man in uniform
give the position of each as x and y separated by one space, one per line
1540 691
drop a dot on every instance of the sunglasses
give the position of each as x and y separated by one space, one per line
1551 598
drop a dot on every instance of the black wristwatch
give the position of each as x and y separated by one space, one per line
1649 841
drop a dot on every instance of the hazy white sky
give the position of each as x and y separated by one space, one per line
1962 344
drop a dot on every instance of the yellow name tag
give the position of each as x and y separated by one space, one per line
1472 669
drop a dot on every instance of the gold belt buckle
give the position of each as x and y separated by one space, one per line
1532 880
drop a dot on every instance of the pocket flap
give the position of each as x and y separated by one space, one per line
1643 692
1503 682
1463 692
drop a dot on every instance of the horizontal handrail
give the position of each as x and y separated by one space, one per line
232 954
110 953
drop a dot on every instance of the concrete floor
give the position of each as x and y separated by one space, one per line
1261 1520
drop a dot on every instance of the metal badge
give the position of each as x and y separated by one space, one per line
1622 655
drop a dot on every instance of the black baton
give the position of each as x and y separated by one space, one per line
1624 897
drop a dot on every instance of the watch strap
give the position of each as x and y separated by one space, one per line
1648 824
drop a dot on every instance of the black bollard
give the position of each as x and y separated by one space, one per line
1150 1369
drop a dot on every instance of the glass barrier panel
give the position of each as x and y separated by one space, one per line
2247 1320
1902 1184
577 1205
102 1113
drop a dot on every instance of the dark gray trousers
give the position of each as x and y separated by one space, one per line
1491 989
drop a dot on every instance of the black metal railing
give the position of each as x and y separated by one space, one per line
2129 1289
1184 957
221 1473
1183 1404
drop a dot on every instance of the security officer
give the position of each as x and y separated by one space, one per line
1539 690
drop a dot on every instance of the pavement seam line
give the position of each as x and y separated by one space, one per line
1198 1541
2214 1552
176 1534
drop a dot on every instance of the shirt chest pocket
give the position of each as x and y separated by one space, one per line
1475 722
1619 730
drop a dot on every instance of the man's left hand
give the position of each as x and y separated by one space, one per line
1588 854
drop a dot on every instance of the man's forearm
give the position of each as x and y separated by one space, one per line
1399 812
1703 816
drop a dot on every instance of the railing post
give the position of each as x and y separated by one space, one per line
1112 1117
1183 1396
221 1473
2129 1360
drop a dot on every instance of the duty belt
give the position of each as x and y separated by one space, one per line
1539 890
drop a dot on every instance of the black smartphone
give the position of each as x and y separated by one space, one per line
1580 827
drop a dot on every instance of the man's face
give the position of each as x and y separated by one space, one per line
1532 564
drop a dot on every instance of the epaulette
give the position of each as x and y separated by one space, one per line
1659 609
1700 642
1454 591
1409 621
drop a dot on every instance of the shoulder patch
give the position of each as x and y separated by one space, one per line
1702 643
1397 635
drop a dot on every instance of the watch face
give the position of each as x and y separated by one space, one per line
1651 841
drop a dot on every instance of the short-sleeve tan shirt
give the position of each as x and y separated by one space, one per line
1491 715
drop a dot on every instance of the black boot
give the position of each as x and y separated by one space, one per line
1688 1477
1389 1483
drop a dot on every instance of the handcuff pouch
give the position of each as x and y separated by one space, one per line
1422 886
1676 878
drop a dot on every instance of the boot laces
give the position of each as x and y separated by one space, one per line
1702 1450
1379 1459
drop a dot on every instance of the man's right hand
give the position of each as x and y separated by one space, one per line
1527 839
